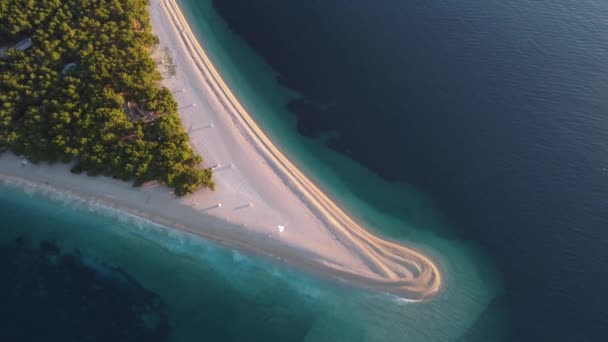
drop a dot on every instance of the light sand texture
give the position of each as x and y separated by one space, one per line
257 186
380 263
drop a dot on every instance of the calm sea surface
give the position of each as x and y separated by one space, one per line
78 271
494 112
475 130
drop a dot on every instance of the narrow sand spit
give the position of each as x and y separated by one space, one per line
377 262
268 207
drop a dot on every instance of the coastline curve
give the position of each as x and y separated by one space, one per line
394 268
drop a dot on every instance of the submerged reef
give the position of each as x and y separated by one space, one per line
51 295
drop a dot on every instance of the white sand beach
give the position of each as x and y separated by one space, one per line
258 188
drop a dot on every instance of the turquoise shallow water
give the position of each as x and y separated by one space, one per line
393 209
495 109
212 292
219 294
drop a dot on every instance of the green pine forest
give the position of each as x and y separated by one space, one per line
78 114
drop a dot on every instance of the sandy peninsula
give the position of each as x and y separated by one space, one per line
263 204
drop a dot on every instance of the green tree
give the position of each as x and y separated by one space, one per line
79 115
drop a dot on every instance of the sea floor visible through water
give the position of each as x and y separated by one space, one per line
492 112
392 209
220 294
216 293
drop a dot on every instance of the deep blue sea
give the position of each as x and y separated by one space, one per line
476 130
498 110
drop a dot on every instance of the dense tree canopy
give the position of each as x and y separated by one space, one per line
79 114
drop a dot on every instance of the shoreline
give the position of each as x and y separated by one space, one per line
258 188
56 183
383 257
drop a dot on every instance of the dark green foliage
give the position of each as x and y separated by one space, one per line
79 115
